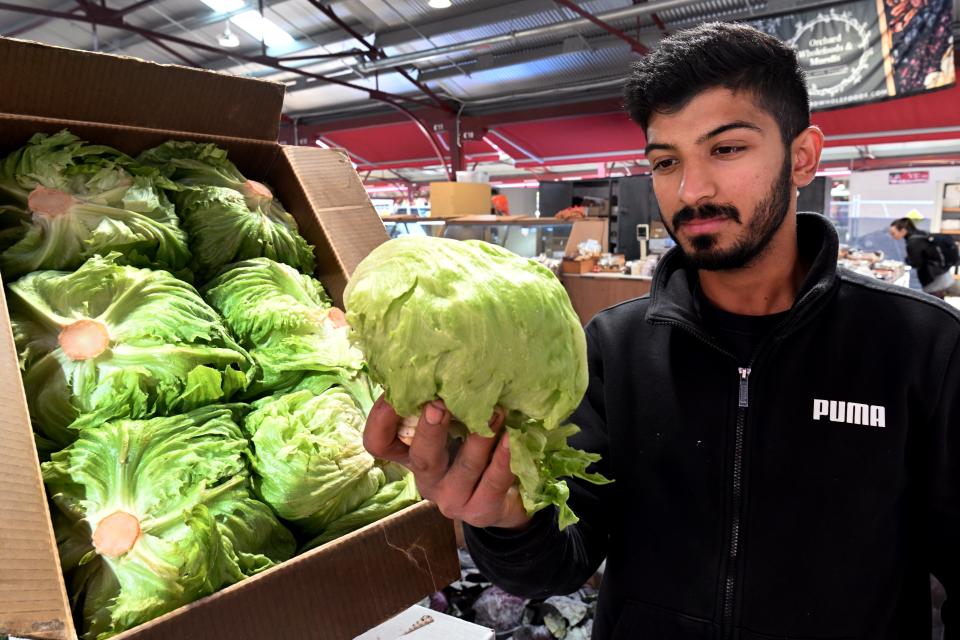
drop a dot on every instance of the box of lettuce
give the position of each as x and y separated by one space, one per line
335 591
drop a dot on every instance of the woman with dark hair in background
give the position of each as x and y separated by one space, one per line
930 255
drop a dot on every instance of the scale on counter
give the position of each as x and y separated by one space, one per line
653 239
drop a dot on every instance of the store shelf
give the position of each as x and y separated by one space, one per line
523 221
404 218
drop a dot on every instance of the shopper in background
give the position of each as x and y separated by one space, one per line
931 255
778 471
499 203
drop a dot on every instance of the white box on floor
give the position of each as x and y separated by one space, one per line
420 623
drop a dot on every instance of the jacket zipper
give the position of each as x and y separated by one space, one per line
743 402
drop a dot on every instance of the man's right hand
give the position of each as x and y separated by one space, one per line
477 487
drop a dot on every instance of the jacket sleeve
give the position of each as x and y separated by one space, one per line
541 560
917 257
943 521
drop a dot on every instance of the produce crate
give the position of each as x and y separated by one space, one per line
569 265
457 199
334 592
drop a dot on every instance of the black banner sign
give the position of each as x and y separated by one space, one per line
869 50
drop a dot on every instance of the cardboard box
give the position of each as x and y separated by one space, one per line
458 199
596 208
594 228
337 591
569 265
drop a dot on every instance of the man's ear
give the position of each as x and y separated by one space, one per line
805 152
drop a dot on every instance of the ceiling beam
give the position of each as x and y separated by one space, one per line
107 19
377 53
189 21
493 13
508 59
496 12
635 45
23 26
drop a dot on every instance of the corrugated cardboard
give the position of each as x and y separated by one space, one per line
590 229
457 199
54 82
336 591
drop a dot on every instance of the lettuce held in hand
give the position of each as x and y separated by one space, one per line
285 320
75 200
116 341
151 515
478 327
311 466
227 217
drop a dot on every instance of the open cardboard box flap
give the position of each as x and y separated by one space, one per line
54 82
336 591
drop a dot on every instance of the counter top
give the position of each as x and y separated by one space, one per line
608 276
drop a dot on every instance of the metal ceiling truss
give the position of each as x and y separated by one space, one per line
113 18
635 45
423 126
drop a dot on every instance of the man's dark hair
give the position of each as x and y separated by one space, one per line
719 54
904 224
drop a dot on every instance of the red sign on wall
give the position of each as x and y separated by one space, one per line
909 177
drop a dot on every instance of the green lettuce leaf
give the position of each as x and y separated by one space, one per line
112 341
285 320
308 457
478 327
224 229
72 200
184 481
197 164
393 497
227 217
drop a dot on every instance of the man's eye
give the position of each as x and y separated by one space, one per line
666 163
727 150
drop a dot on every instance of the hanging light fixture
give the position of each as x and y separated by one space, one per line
439 4
228 39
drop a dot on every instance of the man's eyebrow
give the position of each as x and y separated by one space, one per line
739 124
657 146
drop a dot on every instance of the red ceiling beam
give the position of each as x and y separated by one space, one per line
635 44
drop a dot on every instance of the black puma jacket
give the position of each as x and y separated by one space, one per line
806 494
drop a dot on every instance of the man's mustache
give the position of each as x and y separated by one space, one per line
705 212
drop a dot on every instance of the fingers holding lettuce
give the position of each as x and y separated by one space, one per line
475 484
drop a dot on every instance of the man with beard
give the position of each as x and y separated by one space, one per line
779 472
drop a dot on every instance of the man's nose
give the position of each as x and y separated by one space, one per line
697 185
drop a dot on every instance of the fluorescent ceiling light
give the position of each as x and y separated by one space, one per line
224 6
439 4
228 39
262 29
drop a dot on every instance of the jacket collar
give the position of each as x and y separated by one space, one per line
672 298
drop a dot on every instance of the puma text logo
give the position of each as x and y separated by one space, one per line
850 412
